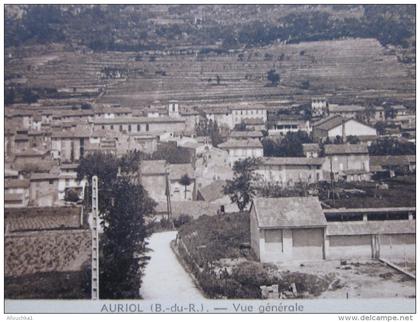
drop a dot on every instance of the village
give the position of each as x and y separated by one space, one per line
266 184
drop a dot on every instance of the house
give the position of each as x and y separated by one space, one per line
44 189
288 123
220 114
173 108
311 150
191 117
242 149
154 178
346 111
319 106
16 192
179 191
247 112
31 156
287 229
347 161
334 126
141 124
287 172
69 145
254 123
109 112
389 165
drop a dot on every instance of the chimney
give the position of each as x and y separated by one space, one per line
343 128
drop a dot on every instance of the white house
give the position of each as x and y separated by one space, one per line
242 149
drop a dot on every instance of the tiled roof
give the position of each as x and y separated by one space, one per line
136 120
16 183
310 147
331 149
291 212
345 108
329 122
391 160
236 144
292 161
246 134
371 227
153 167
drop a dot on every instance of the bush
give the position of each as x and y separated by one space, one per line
182 220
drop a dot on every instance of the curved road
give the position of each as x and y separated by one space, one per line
164 277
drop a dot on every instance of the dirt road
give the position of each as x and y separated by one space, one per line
165 278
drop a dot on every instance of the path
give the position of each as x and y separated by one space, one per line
164 277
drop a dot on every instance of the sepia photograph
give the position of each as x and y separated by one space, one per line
209 158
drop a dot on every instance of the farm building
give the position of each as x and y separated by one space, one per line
347 161
284 229
297 228
154 178
336 125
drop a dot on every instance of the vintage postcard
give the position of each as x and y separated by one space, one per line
209 158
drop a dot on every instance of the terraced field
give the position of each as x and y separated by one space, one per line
351 70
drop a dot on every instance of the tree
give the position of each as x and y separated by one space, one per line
289 146
380 127
352 139
123 243
29 96
240 126
392 146
273 77
242 188
123 206
185 181
9 96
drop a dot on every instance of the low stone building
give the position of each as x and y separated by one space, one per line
333 126
154 178
287 172
178 191
242 149
347 161
285 229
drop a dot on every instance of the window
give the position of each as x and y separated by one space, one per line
129 128
103 127
121 128
138 127
112 127
147 127
50 181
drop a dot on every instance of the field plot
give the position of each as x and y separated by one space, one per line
358 68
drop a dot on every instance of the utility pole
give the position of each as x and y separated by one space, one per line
95 240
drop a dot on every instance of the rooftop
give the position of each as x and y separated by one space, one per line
291 212
237 144
331 149
371 227
333 108
148 167
136 120
292 161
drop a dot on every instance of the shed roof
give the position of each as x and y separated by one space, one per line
371 227
291 212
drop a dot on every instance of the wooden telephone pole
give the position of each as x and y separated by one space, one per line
95 240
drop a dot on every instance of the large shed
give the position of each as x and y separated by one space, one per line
284 229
